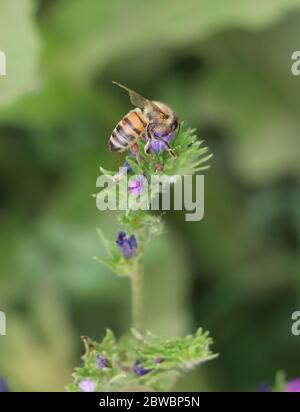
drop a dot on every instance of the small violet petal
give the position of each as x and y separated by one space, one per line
158 146
3 385
87 385
102 362
127 246
293 386
139 370
263 387
137 186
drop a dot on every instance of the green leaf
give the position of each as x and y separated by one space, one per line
178 353
109 246
280 382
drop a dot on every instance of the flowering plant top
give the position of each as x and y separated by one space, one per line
142 361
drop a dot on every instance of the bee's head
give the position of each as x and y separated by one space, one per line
165 114
174 124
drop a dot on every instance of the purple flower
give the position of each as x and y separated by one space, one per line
3 385
139 370
127 166
137 186
102 362
293 386
87 385
263 387
128 246
158 146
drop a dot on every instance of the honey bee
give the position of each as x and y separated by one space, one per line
151 119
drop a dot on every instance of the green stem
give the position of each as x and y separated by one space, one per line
137 285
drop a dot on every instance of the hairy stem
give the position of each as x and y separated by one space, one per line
137 285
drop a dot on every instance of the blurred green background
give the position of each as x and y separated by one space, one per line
225 67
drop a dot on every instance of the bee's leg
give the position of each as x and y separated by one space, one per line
134 148
150 136
170 150
147 147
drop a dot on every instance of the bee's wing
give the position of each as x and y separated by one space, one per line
140 101
135 98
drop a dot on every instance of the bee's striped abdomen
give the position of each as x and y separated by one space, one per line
127 130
